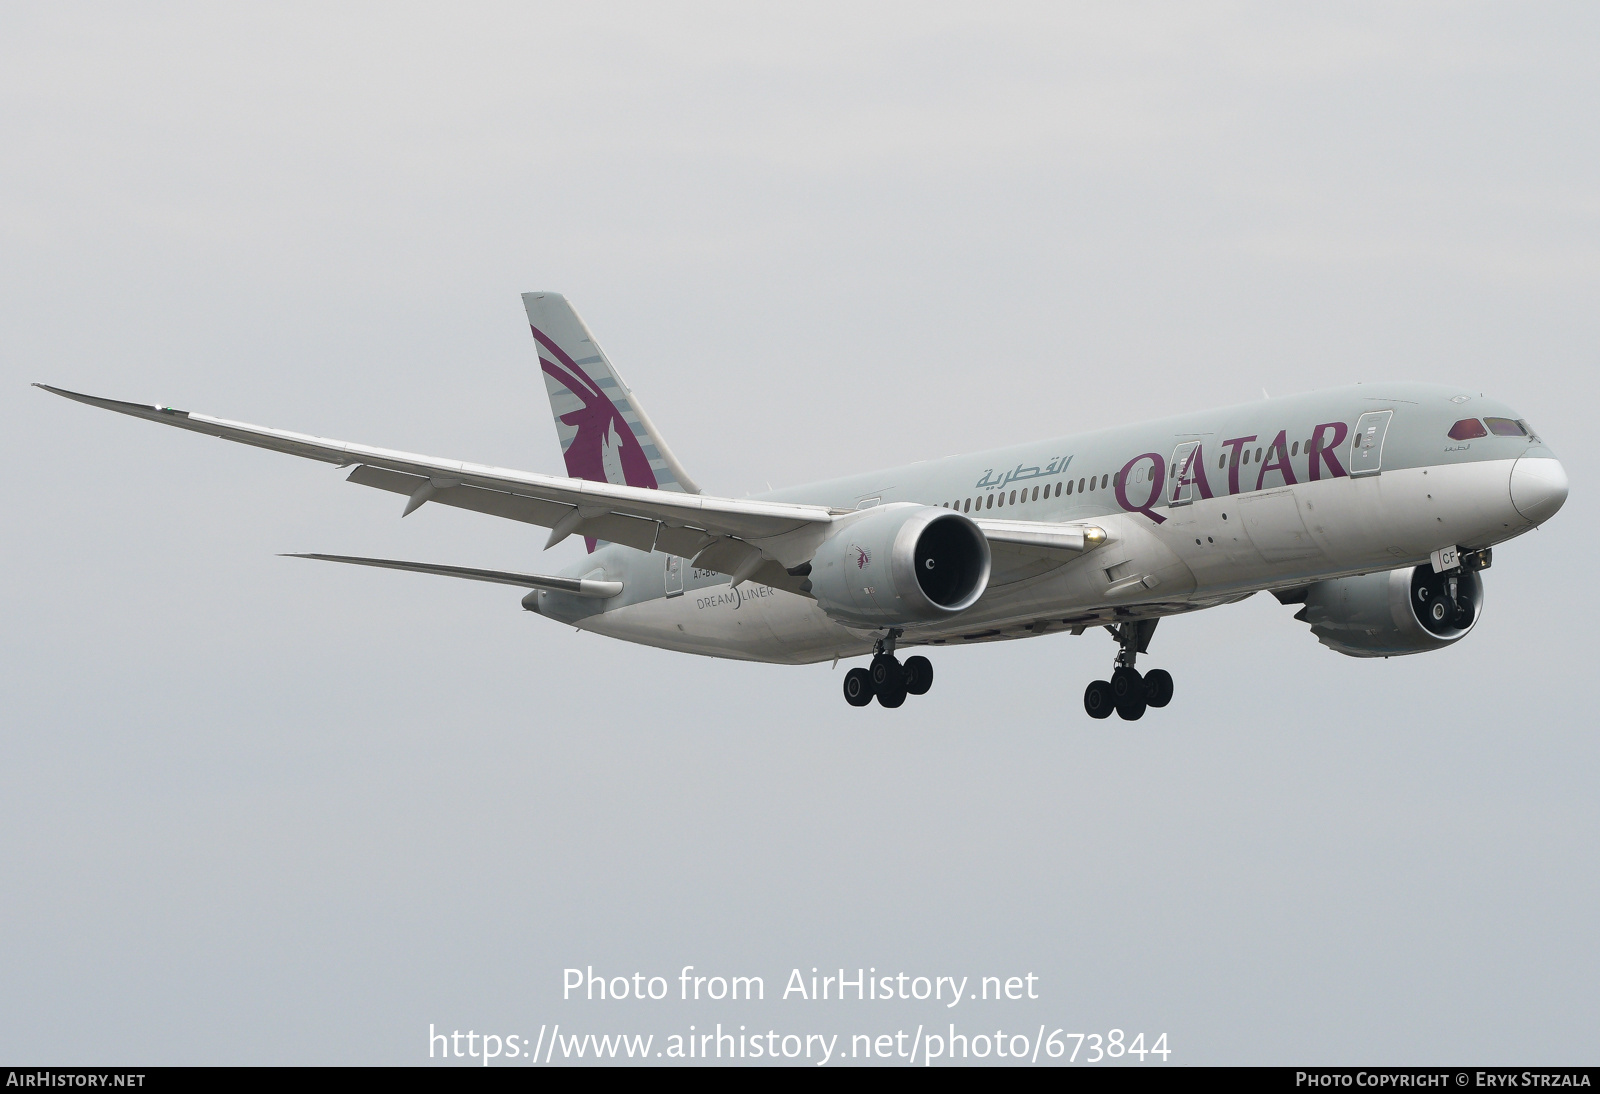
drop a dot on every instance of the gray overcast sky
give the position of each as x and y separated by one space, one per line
254 809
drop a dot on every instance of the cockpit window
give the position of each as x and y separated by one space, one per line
1505 427
1468 428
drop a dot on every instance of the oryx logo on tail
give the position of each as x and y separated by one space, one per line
602 446
605 434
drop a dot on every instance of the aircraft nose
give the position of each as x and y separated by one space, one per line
1538 487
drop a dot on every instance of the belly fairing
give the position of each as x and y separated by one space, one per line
750 623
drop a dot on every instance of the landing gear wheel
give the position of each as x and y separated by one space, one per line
858 687
892 697
1127 691
1097 699
1158 687
886 672
1126 683
888 680
919 675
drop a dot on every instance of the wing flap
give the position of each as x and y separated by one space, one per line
495 503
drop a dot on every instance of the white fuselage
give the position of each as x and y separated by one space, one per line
1209 552
1238 530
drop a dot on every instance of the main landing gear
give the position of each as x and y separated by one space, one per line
1128 692
886 679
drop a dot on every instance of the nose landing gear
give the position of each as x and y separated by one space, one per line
886 678
1128 692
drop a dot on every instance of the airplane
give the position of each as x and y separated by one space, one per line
1374 508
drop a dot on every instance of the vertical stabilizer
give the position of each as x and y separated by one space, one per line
605 434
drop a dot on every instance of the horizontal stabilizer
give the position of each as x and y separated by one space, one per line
575 586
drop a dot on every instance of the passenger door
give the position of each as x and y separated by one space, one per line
1366 449
674 575
1178 468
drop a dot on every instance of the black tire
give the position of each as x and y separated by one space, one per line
1158 687
892 697
919 675
1131 710
886 672
1097 701
1127 684
858 687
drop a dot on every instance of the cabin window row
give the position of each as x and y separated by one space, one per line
1016 497
1244 456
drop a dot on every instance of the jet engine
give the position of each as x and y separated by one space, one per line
900 565
1409 610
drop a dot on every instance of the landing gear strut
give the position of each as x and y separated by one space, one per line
1128 692
885 678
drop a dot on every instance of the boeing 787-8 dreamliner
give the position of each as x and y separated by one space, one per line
1372 507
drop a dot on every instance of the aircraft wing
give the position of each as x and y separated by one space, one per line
749 539
756 540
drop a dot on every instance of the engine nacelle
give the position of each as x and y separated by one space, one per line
900 566
1409 610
